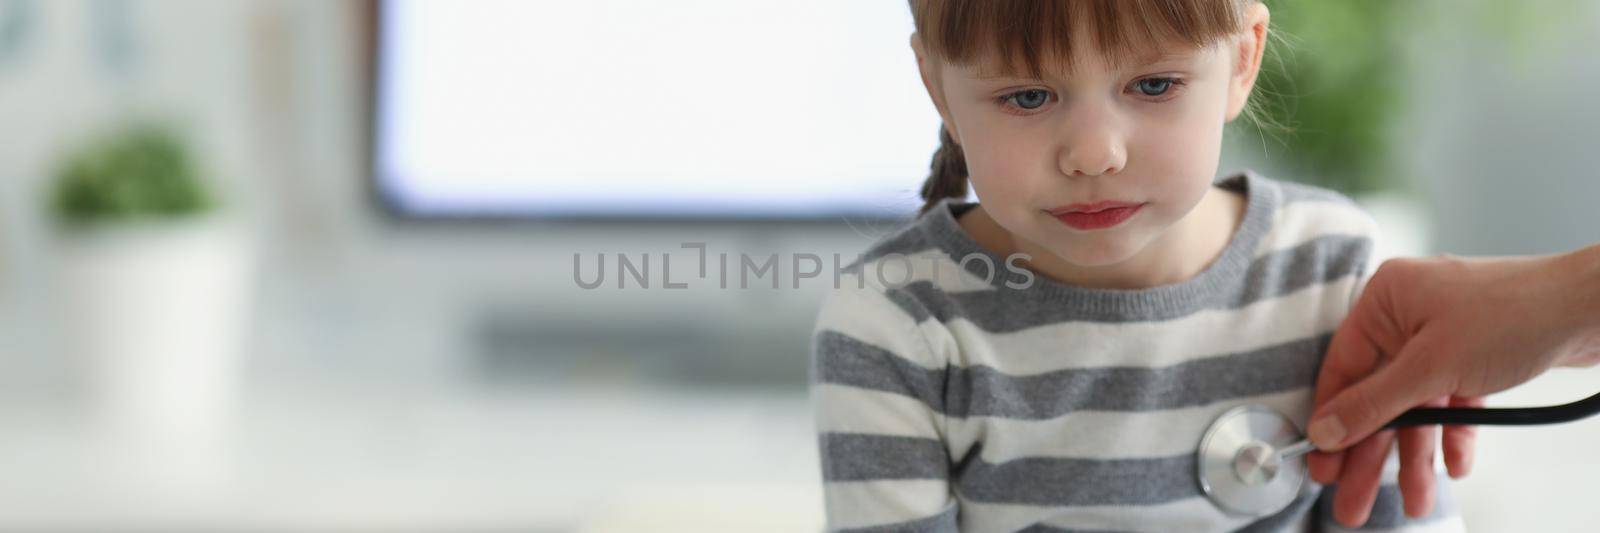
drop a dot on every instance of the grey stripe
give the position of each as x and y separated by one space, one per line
1041 528
844 360
984 391
907 240
944 522
865 457
1321 260
1030 480
911 301
1388 509
1056 481
1051 481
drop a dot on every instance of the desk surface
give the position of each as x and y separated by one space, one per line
397 459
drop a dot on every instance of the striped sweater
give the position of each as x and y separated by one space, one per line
947 399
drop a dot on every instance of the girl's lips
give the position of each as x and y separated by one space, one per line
1097 216
1091 207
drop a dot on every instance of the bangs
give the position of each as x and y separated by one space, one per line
1021 36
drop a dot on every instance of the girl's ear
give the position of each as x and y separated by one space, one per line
1247 58
928 67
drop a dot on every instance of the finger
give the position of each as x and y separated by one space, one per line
1359 478
1354 353
1324 466
1417 445
1355 349
1367 405
1460 442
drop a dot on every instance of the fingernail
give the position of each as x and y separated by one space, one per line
1326 432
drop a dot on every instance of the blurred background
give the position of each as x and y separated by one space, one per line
312 265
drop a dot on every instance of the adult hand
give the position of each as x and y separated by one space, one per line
1434 332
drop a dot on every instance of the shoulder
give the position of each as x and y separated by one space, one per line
919 268
908 285
1303 213
877 300
911 238
1321 205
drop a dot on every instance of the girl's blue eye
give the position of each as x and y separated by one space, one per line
1029 99
1153 86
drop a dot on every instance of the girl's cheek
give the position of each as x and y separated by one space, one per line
991 177
1180 143
1000 156
1164 151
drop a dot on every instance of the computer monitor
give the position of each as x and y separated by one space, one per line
707 109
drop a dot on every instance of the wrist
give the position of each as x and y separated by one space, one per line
1582 272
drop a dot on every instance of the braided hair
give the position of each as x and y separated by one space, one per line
948 173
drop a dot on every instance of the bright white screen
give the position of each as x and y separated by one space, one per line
641 107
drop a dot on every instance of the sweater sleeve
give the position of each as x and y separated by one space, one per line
1369 257
876 391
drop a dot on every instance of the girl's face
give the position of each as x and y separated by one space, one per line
1148 132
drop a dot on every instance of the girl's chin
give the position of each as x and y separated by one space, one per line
1094 252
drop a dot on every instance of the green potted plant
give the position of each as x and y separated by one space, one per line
143 172
155 286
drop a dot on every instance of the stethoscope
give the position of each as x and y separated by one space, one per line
1251 460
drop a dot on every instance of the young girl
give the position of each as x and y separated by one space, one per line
1048 358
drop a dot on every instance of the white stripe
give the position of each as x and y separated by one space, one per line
1080 434
1112 434
1189 514
869 316
1301 222
868 503
1314 310
846 409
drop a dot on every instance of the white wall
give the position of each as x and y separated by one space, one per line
1500 134
1501 129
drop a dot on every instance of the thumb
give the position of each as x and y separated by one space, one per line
1364 407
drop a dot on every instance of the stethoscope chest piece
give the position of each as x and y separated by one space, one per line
1241 469
1252 459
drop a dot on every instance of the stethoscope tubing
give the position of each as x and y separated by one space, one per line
1499 416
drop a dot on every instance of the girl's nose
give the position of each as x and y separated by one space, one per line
1092 145
1093 155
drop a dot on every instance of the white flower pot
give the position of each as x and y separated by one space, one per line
155 317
